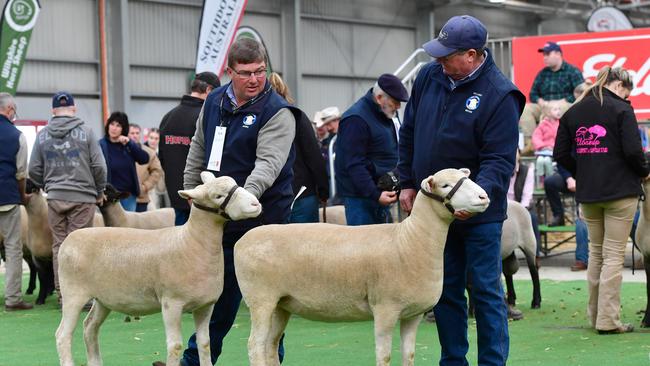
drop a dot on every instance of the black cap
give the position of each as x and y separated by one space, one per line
209 77
62 99
393 86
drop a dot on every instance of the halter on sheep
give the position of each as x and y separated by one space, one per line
137 271
334 273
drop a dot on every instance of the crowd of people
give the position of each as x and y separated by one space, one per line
462 112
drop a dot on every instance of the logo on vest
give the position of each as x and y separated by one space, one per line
472 103
249 120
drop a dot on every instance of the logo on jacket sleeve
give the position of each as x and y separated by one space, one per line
249 120
472 103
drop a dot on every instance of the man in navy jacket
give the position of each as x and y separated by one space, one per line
366 149
463 113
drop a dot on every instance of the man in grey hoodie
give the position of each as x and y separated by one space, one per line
68 164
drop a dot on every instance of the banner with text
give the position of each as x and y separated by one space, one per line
589 52
18 20
219 22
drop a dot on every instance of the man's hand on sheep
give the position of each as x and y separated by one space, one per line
406 198
463 215
387 197
571 184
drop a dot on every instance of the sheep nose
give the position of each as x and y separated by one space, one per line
255 204
483 196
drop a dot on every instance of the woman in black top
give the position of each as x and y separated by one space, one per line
598 141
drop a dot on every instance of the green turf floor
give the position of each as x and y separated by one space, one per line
557 334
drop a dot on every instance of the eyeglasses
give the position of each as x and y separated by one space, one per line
247 74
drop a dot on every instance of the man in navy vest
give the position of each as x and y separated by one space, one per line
13 170
245 131
366 149
463 113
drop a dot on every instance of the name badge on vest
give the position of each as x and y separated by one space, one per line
214 162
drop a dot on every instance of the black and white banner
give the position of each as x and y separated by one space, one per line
219 22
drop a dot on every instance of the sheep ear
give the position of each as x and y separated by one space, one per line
207 176
428 184
465 171
189 193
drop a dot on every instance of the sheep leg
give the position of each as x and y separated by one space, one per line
408 331
171 312
70 310
45 279
32 274
645 323
202 323
260 330
385 320
93 321
279 321
534 276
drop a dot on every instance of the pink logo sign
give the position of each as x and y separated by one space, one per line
588 140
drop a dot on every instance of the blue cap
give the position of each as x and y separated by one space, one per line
393 86
461 32
62 99
550 46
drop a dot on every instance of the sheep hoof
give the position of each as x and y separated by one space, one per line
645 324
535 305
127 319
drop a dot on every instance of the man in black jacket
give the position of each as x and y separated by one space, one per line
176 131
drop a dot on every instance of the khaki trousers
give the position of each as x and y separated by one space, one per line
10 229
609 225
65 217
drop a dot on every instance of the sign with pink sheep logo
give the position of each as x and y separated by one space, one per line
588 140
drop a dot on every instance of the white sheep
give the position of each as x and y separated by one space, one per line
642 239
333 273
517 233
115 215
137 271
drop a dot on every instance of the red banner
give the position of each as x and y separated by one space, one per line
589 52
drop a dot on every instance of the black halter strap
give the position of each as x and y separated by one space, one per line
447 199
221 210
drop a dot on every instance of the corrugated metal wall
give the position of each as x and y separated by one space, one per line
343 46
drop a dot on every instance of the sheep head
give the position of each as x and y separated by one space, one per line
468 196
222 195
113 195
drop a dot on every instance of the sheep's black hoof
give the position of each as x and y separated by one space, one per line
40 301
645 323
535 305
30 291
127 319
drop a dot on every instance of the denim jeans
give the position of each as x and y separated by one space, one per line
474 250
365 211
223 315
305 209
129 203
582 241
181 216
141 206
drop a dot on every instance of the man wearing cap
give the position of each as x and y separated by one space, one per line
176 130
328 119
13 171
68 164
556 81
366 149
463 113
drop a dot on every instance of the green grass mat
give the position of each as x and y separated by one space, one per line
556 334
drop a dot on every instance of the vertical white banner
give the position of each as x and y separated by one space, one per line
219 22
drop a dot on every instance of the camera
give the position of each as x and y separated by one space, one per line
388 182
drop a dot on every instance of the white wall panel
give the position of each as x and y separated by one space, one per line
268 25
327 48
157 83
48 77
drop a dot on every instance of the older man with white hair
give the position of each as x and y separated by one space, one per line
13 170
366 149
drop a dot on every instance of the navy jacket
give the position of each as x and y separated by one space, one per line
9 146
239 153
366 149
474 126
131 153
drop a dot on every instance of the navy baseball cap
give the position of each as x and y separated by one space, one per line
209 77
549 47
461 32
62 99
393 86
